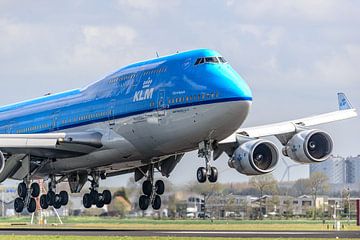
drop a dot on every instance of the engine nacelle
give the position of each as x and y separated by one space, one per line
309 146
255 157
2 162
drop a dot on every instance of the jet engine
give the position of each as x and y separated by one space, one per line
309 146
255 157
2 162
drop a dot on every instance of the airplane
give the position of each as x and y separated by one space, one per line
142 119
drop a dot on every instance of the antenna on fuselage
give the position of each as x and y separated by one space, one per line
157 54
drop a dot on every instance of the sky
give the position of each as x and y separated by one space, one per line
295 55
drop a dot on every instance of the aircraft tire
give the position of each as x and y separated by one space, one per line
201 175
19 205
94 196
22 190
50 198
213 175
43 203
32 205
156 205
87 201
144 202
100 203
160 187
35 189
64 198
107 197
147 188
57 202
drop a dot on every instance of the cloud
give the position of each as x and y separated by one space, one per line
103 48
340 67
306 10
153 7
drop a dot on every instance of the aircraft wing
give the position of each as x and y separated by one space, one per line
345 111
51 145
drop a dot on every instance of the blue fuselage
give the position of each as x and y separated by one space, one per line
163 83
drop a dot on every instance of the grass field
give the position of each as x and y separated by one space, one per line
152 224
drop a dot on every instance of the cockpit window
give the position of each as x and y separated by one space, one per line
216 60
222 59
199 61
211 60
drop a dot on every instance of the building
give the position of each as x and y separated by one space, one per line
352 165
334 168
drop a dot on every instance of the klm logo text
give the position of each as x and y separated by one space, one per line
143 95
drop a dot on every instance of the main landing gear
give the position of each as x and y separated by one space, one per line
27 195
51 198
94 197
207 172
151 192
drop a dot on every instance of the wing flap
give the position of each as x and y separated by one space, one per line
57 145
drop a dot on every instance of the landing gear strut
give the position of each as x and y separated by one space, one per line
207 172
94 197
152 191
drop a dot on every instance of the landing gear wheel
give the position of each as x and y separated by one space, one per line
213 175
144 202
156 205
19 205
50 198
94 196
64 198
32 205
22 190
107 197
43 202
35 190
57 202
100 204
201 175
147 188
87 201
160 187
100 201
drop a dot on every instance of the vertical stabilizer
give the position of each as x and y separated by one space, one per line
344 102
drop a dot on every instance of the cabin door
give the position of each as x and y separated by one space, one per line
161 107
112 114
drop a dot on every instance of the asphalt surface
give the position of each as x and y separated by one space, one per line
180 233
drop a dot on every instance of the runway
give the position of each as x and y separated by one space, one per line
179 233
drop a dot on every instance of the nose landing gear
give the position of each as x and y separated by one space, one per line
208 172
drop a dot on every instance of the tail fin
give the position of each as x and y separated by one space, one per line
344 102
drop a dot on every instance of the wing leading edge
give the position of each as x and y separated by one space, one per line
346 111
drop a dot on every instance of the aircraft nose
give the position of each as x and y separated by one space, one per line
238 88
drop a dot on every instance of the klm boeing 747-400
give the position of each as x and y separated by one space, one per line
141 119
